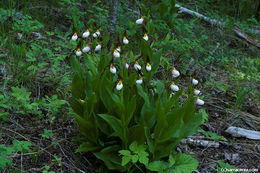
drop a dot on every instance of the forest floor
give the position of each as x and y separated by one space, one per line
240 152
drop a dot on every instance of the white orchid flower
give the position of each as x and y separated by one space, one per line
119 85
86 34
174 87
86 49
175 73
145 37
78 52
148 67
140 21
125 40
199 102
194 81
112 69
98 47
74 37
137 66
116 54
196 92
139 81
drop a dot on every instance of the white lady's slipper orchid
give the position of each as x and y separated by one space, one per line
116 54
196 92
199 102
174 87
118 49
112 69
139 81
126 65
95 35
98 47
148 67
125 41
78 52
145 37
119 85
98 33
86 49
86 34
74 37
137 66
140 21
195 82
175 73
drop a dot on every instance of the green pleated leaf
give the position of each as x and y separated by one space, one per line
115 124
111 158
77 87
87 146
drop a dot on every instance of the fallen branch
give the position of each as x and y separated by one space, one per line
202 143
243 35
240 132
201 16
215 22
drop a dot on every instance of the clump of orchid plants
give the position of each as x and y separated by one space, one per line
128 118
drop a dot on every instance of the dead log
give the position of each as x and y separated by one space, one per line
240 132
215 22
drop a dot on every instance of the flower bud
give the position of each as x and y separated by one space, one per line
174 87
86 49
145 37
140 21
148 67
86 34
137 66
195 82
119 85
112 69
196 92
175 73
199 102
81 101
126 65
125 41
74 37
139 81
78 52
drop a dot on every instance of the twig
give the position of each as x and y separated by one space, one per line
70 160
21 162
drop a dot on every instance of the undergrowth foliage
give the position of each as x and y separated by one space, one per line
129 119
